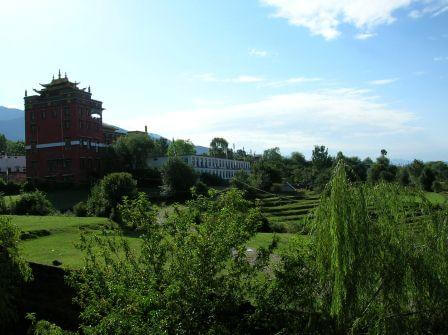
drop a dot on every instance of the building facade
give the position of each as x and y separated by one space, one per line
12 167
224 168
64 134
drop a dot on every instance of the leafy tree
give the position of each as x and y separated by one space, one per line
177 178
14 271
219 147
109 192
240 154
427 177
403 177
415 169
320 158
133 150
16 148
382 276
190 275
298 159
273 156
382 170
160 147
180 148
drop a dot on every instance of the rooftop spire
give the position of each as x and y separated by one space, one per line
65 75
59 74
26 93
52 78
88 89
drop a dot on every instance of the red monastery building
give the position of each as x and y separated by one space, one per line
64 133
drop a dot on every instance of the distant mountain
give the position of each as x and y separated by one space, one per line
12 123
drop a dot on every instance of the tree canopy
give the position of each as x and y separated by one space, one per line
181 147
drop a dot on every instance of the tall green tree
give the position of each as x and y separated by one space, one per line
219 147
181 147
320 158
177 178
133 150
16 148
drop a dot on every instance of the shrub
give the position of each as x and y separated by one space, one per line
28 186
109 192
212 180
13 271
34 203
80 209
3 208
177 178
437 186
199 189
427 178
9 188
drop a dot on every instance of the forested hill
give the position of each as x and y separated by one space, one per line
12 124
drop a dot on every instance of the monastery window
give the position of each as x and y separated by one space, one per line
80 124
44 115
68 143
67 124
67 164
90 163
32 116
54 113
82 163
66 113
33 130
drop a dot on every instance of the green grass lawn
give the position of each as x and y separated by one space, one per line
436 198
65 233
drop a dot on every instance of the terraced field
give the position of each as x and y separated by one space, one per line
286 212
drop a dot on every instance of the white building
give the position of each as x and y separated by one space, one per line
224 168
12 166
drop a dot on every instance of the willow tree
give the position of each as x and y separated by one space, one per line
380 252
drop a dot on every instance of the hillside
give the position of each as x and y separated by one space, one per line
11 123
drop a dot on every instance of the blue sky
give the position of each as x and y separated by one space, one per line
348 74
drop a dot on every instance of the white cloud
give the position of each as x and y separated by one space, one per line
294 121
258 53
364 36
211 78
383 81
323 17
247 79
292 81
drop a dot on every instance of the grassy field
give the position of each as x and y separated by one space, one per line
61 233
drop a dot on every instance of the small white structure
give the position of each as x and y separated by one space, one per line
222 167
12 164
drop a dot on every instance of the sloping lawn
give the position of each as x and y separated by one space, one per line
62 234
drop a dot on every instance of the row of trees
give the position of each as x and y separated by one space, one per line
11 147
273 168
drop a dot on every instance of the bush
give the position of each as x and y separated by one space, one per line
437 186
109 192
13 271
212 179
199 189
177 178
427 178
34 203
28 186
9 188
3 209
149 177
80 209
